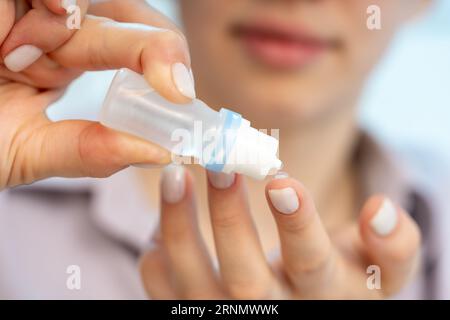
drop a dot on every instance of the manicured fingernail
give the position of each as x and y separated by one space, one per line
173 183
22 57
182 77
66 4
281 175
385 220
221 180
284 200
154 242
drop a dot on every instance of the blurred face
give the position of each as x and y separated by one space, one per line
282 62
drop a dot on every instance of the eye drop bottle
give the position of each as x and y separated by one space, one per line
227 141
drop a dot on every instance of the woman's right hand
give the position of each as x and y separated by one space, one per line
32 146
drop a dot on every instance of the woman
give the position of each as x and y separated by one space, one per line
297 66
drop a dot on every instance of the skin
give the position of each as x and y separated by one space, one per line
327 244
314 108
35 148
226 76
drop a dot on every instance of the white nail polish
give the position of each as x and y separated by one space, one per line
284 200
385 220
173 183
22 57
66 4
183 80
221 180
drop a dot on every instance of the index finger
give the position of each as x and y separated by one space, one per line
161 55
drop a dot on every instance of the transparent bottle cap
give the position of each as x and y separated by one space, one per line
132 106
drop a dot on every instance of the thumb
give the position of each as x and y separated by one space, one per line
78 149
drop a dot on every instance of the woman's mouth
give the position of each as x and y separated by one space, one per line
280 45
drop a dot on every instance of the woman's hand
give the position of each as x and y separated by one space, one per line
311 264
139 38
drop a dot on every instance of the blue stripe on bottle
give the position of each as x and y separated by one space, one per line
224 146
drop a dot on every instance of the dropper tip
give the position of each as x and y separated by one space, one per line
278 165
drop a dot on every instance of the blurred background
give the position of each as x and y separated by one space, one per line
406 100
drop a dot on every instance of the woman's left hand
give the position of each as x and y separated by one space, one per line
311 264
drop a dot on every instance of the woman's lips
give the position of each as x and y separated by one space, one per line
280 46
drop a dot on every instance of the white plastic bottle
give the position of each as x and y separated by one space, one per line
227 141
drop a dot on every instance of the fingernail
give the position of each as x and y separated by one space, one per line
385 220
284 200
221 180
66 4
281 175
183 80
173 183
22 57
